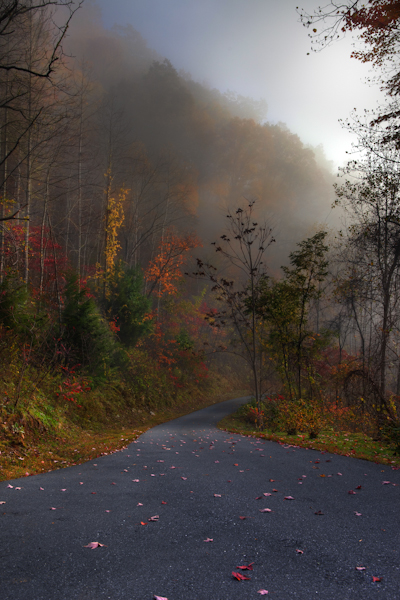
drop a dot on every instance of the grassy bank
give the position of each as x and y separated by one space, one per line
355 444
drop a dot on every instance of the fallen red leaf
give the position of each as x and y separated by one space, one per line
160 598
272 479
351 492
358 487
155 518
360 568
274 490
319 512
208 540
243 518
248 567
94 545
262 592
289 498
299 551
239 576
143 523
163 502
265 510
376 579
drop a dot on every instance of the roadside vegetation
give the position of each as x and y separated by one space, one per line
340 433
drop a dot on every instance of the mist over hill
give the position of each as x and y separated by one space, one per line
222 144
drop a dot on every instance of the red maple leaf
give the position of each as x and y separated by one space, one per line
248 567
239 576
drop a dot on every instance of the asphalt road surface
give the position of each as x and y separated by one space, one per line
198 484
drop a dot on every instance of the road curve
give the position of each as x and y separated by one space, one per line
197 482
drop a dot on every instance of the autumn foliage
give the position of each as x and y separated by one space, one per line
165 271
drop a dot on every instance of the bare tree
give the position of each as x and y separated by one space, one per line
244 247
30 47
372 200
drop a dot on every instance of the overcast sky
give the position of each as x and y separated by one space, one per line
258 48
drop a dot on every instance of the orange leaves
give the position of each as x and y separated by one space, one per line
165 270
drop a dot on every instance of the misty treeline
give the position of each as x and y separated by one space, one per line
116 173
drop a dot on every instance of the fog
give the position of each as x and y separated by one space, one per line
258 48
224 91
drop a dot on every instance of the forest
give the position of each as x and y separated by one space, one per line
162 243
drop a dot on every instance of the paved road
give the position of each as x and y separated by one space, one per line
200 481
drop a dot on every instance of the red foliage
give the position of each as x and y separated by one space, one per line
73 385
47 262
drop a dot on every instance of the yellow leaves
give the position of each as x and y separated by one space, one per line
113 221
7 203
